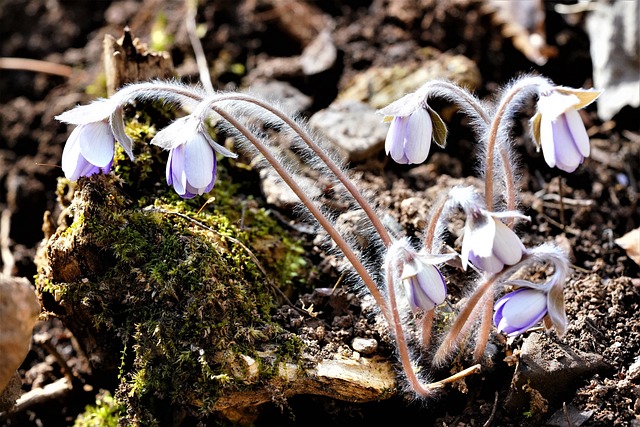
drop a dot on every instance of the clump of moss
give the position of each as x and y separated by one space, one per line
105 413
162 294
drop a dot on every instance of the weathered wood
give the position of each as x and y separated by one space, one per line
128 60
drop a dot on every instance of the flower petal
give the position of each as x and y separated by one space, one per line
578 132
523 309
507 246
198 158
394 143
418 138
97 111
547 142
178 176
96 143
553 105
432 284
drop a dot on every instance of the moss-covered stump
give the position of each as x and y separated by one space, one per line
170 306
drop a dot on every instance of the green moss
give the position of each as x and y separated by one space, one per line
105 413
170 288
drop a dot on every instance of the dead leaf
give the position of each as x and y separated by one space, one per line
630 242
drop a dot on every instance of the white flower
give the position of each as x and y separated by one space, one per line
90 146
409 137
191 168
423 283
89 150
558 129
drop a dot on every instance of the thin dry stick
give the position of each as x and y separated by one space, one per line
486 308
198 51
315 211
36 66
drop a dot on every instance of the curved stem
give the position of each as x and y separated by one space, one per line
433 224
461 96
403 349
453 337
531 82
486 309
322 155
315 211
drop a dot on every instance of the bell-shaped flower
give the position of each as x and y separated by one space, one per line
191 168
518 311
558 129
409 137
413 125
423 283
88 151
90 147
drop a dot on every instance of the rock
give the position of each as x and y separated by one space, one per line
19 311
290 99
576 416
364 346
550 371
279 194
353 128
379 86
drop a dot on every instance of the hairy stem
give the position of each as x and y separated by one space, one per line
315 211
322 155
427 323
454 334
486 308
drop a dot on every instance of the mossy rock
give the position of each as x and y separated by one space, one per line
170 305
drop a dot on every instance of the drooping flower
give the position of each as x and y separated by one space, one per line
413 125
518 311
409 137
423 283
521 309
191 168
558 129
88 151
487 242
90 147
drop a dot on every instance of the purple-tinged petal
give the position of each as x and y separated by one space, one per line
520 310
418 137
96 143
394 143
507 246
578 132
198 157
178 176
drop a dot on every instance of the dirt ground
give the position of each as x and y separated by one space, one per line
602 294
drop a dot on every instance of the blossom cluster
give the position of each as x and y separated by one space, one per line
413 281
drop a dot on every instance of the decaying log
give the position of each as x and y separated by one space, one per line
128 60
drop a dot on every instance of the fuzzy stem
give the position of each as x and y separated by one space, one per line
524 85
491 143
452 338
315 211
333 167
430 231
403 349
427 323
461 96
486 308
